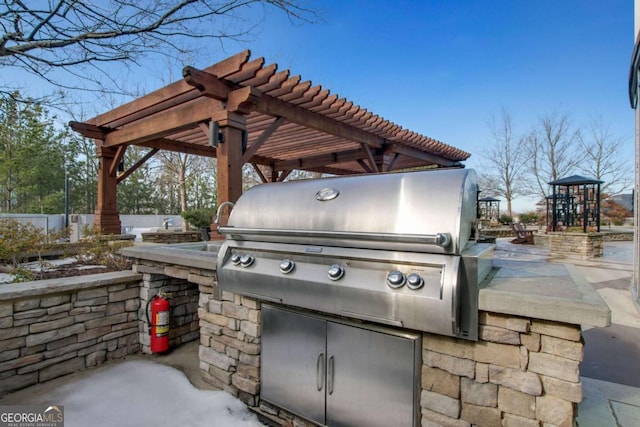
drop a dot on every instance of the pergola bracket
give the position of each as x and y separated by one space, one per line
117 160
137 165
259 172
264 136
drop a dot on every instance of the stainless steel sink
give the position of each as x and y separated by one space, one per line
198 247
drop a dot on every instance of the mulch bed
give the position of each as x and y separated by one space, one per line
72 270
76 269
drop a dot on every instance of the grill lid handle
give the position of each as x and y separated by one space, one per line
218 216
439 239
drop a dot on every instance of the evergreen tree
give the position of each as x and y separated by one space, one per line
31 158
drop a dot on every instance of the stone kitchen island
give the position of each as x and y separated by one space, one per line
523 370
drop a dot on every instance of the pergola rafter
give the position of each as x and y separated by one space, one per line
267 118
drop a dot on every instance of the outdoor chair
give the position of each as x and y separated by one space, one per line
523 236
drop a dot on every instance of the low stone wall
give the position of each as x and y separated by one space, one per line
617 236
172 237
497 232
55 327
541 240
607 236
575 245
51 328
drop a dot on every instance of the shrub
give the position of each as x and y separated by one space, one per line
18 241
529 218
199 218
100 250
22 242
505 219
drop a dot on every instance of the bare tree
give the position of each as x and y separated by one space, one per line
251 178
184 168
38 37
551 151
602 158
506 161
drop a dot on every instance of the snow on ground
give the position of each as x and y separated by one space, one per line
49 264
145 393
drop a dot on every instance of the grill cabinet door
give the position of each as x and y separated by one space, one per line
293 362
370 378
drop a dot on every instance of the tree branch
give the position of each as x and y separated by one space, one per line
72 34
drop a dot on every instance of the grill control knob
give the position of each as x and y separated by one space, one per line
287 266
395 279
414 281
235 259
246 260
335 272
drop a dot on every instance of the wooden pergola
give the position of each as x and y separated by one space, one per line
243 111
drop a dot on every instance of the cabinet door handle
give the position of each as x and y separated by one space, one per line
330 376
320 372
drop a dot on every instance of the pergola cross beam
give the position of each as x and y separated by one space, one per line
213 87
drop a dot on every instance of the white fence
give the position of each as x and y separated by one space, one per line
49 223
77 222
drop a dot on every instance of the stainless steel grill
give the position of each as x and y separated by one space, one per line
393 249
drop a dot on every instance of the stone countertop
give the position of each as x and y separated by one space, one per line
12 291
202 255
538 289
543 290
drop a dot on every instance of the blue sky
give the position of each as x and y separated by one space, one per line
442 68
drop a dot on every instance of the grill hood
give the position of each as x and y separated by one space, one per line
424 211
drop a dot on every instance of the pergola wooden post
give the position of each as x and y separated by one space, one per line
107 218
232 127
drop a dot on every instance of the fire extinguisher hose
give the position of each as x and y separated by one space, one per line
147 313
160 295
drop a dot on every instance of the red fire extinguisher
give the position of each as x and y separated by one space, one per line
159 323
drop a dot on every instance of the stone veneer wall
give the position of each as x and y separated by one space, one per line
607 236
230 331
522 372
619 236
55 327
498 232
575 245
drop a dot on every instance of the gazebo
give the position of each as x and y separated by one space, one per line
489 209
574 202
243 111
